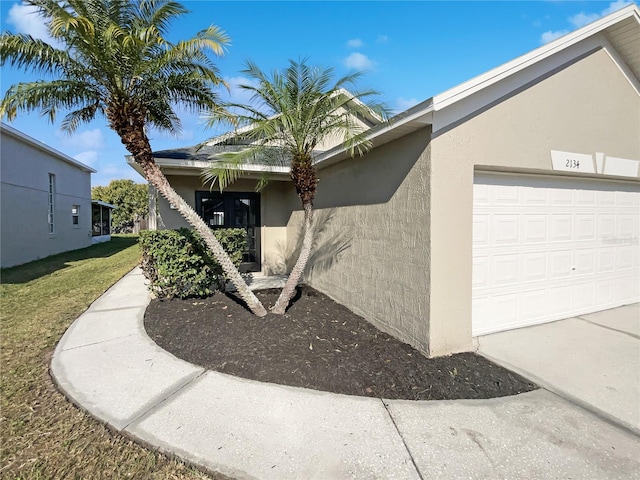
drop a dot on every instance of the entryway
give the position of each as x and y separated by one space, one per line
234 210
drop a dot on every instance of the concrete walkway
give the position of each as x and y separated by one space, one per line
106 364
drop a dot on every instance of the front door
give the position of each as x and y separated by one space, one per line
234 210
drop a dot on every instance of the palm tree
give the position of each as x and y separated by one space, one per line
291 114
115 61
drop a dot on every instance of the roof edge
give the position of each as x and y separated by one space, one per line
479 82
15 133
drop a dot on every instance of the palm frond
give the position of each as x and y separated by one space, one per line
25 52
118 50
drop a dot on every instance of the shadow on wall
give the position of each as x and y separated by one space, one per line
327 247
373 178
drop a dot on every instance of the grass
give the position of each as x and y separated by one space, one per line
42 435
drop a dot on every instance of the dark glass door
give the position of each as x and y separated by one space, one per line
234 210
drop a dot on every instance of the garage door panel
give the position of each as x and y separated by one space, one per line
534 267
559 196
504 195
584 227
604 294
582 298
480 194
504 308
546 249
480 272
559 302
561 227
481 230
625 199
534 228
606 260
583 262
533 196
505 229
606 198
625 226
533 305
624 289
606 225
560 264
505 271
624 257
585 197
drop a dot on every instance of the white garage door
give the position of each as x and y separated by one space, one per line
548 248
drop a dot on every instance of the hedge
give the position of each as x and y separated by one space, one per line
178 263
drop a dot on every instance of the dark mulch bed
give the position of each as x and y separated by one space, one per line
318 344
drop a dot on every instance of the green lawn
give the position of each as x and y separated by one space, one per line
42 434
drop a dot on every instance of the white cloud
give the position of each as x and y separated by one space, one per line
89 157
87 140
584 18
581 19
382 39
358 61
237 94
550 36
355 43
27 20
406 103
614 6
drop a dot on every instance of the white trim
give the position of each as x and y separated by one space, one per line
103 204
450 106
45 148
619 62
482 81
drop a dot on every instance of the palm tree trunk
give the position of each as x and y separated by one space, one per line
298 269
157 179
135 140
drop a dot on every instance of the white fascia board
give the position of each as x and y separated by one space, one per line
202 164
24 138
484 80
135 166
195 167
621 64
104 204
468 104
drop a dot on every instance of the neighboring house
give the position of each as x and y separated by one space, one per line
101 221
45 204
510 200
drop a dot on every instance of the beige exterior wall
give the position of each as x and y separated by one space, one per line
24 191
372 251
394 228
587 107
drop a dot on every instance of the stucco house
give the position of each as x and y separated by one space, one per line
509 200
45 200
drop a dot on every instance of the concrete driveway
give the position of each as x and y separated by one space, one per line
592 360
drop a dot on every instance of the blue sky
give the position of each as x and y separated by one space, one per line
410 50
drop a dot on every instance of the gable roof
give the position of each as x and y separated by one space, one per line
26 139
619 30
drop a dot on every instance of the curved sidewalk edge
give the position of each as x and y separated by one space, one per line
106 364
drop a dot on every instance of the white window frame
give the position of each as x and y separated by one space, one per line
75 216
51 213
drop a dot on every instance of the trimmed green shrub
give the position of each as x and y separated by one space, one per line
178 263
